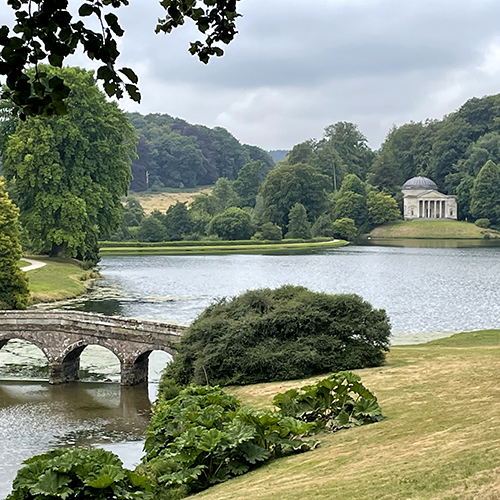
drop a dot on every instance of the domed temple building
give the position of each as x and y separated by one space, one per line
422 200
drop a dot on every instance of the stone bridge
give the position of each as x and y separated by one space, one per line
63 335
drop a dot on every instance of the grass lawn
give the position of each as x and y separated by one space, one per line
59 279
440 440
432 229
217 248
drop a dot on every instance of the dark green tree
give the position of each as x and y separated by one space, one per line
201 211
177 222
382 208
14 293
270 231
70 171
151 229
485 196
304 152
351 145
133 212
232 224
345 229
290 184
351 205
225 194
248 181
298 225
322 226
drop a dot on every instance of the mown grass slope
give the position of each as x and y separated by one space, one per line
440 440
59 279
433 229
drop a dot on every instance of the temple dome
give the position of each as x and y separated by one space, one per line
419 183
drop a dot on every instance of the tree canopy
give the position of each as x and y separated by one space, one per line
45 30
175 153
69 172
290 184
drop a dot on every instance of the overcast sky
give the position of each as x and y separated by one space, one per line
297 66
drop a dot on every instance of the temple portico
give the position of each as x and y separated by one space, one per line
422 200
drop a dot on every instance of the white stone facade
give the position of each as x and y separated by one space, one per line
422 200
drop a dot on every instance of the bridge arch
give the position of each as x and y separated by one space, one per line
32 362
67 366
5 338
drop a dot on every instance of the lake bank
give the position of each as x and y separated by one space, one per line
58 279
215 248
438 441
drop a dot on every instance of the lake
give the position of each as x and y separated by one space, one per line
427 293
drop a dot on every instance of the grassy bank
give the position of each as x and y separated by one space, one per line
433 229
440 439
59 279
182 248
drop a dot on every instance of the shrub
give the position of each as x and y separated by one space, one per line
77 474
287 333
271 232
203 437
336 402
233 224
483 223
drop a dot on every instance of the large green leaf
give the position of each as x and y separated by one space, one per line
253 453
51 483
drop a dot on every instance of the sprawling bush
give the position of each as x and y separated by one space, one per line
287 333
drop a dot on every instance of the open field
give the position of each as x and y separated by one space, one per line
440 440
433 229
59 279
161 201
218 248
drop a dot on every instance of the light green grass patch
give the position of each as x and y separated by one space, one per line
59 279
442 229
440 440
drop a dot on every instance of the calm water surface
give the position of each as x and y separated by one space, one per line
427 292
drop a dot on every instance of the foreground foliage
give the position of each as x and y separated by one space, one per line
72 474
281 334
198 437
203 437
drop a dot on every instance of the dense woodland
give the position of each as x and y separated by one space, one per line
176 154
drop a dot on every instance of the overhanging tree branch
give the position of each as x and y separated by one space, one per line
46 30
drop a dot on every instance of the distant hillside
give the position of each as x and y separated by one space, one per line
176 154
278 154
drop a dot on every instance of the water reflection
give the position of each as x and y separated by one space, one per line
35 417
